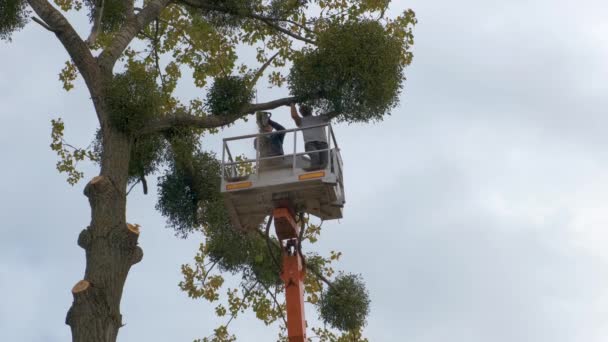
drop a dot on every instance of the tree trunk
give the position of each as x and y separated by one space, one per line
110 245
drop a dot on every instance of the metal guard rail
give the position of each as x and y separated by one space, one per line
330 138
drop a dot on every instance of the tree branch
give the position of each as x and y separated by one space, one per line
77 49
208 272
276 302
209 121
155 43
245 296
129 30
99 7
263 68
266 20
293 23
308 267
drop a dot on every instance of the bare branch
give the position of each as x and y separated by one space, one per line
129 30
303 27
209 121
43 24
155 43
99 7
276 302
58 24
132 186
269 21
245 296
129 8
208 272
263 68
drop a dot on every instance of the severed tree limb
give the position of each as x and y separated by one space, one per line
43 24
144 184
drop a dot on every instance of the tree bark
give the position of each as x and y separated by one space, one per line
110 246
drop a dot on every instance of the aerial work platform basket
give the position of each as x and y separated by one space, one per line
253 187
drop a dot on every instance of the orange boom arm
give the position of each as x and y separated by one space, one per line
292 274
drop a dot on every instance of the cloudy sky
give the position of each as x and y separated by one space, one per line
476 212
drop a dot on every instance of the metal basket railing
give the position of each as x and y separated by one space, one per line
231 167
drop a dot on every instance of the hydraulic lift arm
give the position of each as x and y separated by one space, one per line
293 272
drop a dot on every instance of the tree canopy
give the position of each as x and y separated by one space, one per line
345 58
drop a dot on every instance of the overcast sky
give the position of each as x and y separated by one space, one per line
476 212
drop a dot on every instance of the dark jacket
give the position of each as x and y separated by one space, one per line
275 140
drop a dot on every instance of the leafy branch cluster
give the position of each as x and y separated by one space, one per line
356 71
113 13
342 303
69 156
133 98
228 95
13 16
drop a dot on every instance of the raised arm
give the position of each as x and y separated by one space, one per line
294 115
277 126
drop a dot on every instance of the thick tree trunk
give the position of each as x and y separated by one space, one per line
110 246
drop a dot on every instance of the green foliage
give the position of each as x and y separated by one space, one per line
113 15
190 198
228 95
245 252
228 13
326 335
220 334
13 16
69 156
355 71
68 5
133 98
345 305
177 201
146 156
67 75
203 279
188 193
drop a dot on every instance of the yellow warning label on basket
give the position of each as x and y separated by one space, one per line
311 175
239 185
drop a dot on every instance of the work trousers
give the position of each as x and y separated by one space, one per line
318 159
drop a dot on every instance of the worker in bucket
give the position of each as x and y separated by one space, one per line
270 144
315 138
